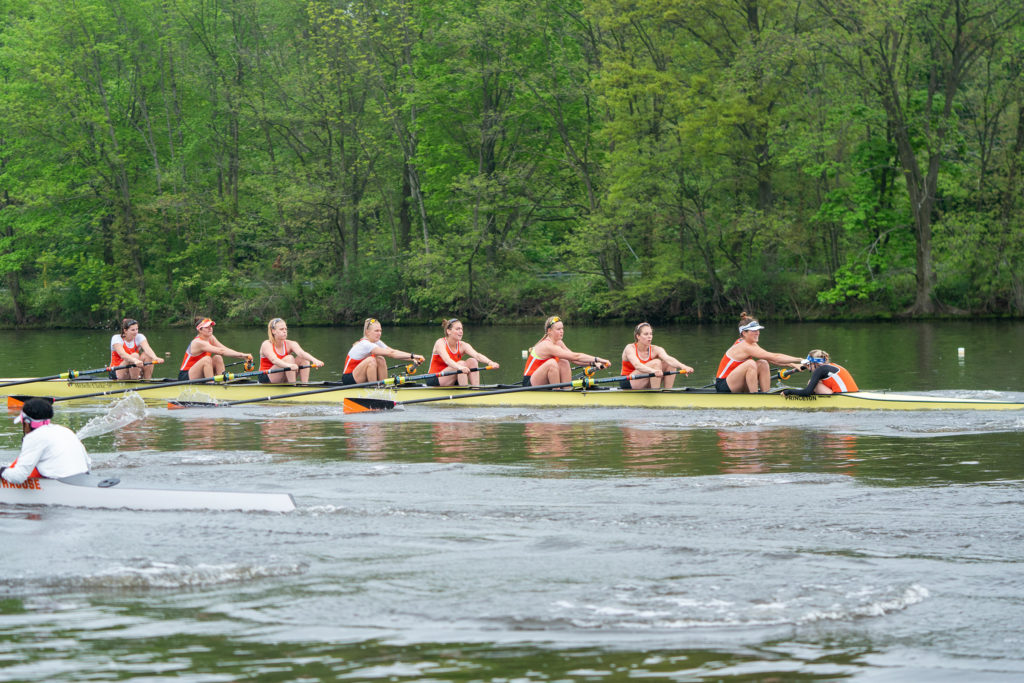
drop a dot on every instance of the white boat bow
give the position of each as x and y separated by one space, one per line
90 491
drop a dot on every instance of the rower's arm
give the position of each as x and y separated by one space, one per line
820 373
31 452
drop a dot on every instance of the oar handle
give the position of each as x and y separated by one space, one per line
582 383
397 380
73 374
664 373
786 373
217 379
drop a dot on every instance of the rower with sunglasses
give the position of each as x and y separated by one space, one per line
744 368
827 377
451 353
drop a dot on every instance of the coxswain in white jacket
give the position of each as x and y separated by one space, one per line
47 450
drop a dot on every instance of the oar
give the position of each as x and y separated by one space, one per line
783 374
410 368
396 381
73 374
225 377
356 405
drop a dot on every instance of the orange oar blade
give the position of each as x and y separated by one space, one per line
178 405
16 402
362 405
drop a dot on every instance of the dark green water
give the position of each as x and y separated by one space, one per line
489 544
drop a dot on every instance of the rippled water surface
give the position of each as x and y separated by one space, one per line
454 543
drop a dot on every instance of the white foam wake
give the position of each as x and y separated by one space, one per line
121 413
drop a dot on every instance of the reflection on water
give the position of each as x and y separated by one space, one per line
367 440
650 449
454 441
743 452
670 448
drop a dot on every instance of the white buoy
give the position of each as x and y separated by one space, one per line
525 354
960 352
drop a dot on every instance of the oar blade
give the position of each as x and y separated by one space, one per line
179 405
362 405
16 402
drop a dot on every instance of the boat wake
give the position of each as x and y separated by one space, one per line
148 575
634 608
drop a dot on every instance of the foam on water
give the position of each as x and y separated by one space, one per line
120 413
635 608
169 576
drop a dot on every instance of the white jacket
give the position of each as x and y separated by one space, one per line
52 449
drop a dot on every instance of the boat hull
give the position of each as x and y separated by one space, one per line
89 491
680 399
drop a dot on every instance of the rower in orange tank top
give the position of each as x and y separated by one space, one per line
447 355
204 355
287 358
744 367
549 359
643 357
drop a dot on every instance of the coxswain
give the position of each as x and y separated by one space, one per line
47 450
826 377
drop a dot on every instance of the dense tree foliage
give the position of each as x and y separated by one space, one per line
503 159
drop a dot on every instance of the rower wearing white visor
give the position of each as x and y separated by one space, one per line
47 450
745 367
826 377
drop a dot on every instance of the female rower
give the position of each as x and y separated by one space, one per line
204 355
549 358
642 357
365 361
744 367
131 348
448 354
827 377
280 352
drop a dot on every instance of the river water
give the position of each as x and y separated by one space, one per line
452 543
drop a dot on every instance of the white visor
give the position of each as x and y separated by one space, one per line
751 326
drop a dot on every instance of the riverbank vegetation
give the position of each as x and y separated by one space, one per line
505 159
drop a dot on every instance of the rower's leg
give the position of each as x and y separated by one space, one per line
474 376
764 375
564 371
365 370
547 373
743 380
202 368
655 381
668 380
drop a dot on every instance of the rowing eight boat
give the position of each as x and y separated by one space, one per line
89 491
683 399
